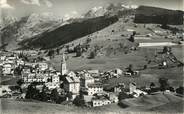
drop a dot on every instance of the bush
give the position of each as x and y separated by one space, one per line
180 90
92 55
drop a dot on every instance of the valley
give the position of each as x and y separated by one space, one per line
124 45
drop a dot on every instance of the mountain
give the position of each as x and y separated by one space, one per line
69 32
28 27
147 14
8 19
96 12
111 9
46 30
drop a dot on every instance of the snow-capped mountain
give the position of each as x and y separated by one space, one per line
129 6
6 20
111 9
96 12
36 24
28 27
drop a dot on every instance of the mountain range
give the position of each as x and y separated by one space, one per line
46 30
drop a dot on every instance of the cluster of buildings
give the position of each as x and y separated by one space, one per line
88 82
9 63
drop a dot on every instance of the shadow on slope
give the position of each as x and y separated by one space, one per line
68 33
147 14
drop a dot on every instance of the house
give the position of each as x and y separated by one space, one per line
100 102
138 93
118 71
86 79
94 89
8 69
118 88
20 62
34 77
51 85
42 66
113 97
95 74
2 58
71 74
55 79
26 69
134 91
72 84
4 89
132 87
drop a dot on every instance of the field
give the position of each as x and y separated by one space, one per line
20 107
114 57
150 103
158 102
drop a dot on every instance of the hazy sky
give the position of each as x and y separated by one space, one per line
76 7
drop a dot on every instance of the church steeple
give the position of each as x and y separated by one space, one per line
63 65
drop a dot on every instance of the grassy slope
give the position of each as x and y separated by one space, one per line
149 103
20 107
107 38
156 103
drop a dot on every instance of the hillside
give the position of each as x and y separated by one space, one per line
157 103
20 107
69 32
46 31
145 14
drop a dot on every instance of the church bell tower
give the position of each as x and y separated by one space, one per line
63 65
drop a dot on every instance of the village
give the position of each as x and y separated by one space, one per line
41 81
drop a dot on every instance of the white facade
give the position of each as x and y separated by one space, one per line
94 89
72 84
7 69
132 87
43 66
118 71
55 79
99 102
52 85
32 77
86 79
113 98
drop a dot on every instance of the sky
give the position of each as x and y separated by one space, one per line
21 8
